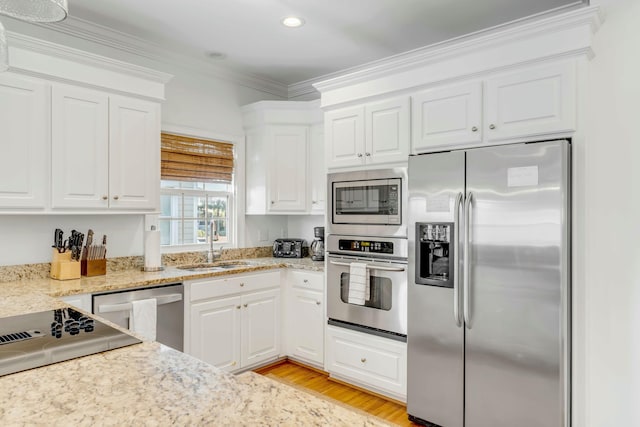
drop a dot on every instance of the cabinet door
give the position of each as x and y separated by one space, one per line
24 142
536 101
215 332
387 131
344 132
80 148
287 187
446 117
260 327
318 173
134 154
306 325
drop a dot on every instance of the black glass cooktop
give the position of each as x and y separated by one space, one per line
38 339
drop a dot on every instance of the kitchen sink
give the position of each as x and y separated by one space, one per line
214 266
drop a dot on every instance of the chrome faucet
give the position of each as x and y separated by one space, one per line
213 236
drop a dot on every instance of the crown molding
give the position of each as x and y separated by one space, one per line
549 22
17 40
105 36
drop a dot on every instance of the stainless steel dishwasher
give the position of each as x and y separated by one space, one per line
116 307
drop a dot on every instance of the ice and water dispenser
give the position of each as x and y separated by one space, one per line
434 253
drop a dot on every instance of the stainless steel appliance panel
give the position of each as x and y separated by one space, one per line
435 340
367 216
516 367
387 308
116 307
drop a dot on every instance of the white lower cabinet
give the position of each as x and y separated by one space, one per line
305 317
234 322
376 363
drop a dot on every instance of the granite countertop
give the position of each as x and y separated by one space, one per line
135 278
149 383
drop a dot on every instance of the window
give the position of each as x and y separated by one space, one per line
196 191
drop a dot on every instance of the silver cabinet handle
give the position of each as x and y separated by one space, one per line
359 154
305 280
161 300
367 154
115 197
363 359
467 260
234 363
456 260
492 126
318 303
245 305
241 284
273 203
105 197
238 307
474 129
371 266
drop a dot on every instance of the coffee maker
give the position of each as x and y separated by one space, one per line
317 246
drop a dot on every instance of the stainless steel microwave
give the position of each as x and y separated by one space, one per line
368 203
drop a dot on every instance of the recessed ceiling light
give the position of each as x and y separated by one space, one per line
216 55
292 21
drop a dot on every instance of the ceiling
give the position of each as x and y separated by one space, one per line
337 35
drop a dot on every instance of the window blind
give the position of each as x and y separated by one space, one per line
193 159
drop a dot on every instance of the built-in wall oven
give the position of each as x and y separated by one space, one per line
376 304
368 203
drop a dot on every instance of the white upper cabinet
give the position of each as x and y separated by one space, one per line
387 131
80 148
285 171
24 142
344 131
535 101
134 154
105 151
371 134
527 104
318 171
287 185
446 117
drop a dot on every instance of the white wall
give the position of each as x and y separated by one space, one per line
612 220
302 226
262 230
193 101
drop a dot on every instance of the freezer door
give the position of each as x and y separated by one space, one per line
435 342
517 330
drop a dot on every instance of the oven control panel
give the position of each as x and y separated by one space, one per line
370 246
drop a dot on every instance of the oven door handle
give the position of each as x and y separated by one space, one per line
370 266
127 306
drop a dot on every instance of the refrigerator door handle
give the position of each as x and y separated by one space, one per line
456 260
466 297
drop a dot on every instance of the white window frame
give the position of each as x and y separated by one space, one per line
235 219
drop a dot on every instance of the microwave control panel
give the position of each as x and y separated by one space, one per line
366 246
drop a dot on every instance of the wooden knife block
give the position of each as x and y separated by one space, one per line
94 267
62 267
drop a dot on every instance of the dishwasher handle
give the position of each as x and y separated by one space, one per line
127 306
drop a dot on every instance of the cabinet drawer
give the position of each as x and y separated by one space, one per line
306 280
213 288
372 361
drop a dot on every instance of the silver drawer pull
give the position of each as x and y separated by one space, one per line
317 302
363 360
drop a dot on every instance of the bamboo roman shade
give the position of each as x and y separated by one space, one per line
192 159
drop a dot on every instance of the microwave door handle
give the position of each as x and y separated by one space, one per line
456 260
370 266
127 306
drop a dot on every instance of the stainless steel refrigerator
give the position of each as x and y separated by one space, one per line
489 287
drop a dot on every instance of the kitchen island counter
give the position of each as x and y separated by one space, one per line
148 384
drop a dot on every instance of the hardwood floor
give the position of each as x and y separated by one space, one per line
319 382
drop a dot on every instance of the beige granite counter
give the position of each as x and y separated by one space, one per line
149 383
136 278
